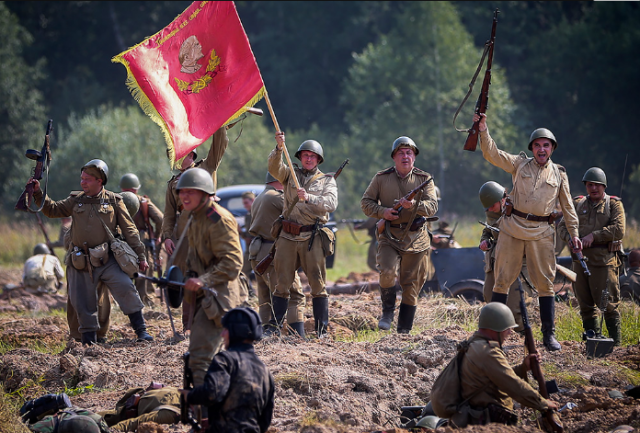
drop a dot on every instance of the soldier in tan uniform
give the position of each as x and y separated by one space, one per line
370 226
487 379
601 228
147 213
299 244
403 249
90 208
266 208
527 229
630 283
214 261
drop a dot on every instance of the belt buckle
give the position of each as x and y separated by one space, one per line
529 215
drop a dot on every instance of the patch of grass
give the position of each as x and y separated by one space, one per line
72 392
10 405
351 256
366 336
567 378
632 376
293 381
311 419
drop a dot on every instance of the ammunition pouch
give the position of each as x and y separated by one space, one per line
78 259
99 255
508 208
615 246
328 239
254 247
291 227
417 224
276 228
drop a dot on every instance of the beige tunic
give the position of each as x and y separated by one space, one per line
155 218
535 191
385 189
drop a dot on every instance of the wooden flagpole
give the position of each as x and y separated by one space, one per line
275 122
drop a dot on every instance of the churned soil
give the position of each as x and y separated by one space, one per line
334 384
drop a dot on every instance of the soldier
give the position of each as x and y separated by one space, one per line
442 237
601 228
630 283
492 196
267 207
247 202
239 389
370 226
487 379
147 213
303 241
527 229
90 209
42 272
403 250
214 262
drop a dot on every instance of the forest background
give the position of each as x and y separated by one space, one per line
352 75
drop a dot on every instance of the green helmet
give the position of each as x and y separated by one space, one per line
78 423
196 178
429 421
403 142
311 146
129 181
497 317
595 175
41 249
131 202
269 178
490 193
542 133
102 168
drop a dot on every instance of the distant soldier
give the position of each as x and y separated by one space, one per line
492 196
443 237
90 209
630 283
527 229
247 202
403 250
42 272
370 226
601 228
214 261
147 214
303 239
267 207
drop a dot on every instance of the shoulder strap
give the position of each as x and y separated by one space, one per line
111 238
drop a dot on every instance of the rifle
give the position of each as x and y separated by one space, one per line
43 159
44 232
550 416
581 258
313 233
342 166
382 223
157 264
483 99
186 417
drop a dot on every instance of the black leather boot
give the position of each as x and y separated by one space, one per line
88 338
298 328
547 317
280 307
138 325
321 315
591 328
499 297
613 326
388 298
405 318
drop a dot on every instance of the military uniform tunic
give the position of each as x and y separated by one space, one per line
292 249
145 287
86 228
215 256
266 208
535 191
408 259
606 220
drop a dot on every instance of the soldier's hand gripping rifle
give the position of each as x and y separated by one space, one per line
42 159
581 258
483 100
382 223
550 416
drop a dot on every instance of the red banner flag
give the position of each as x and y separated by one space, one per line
195 75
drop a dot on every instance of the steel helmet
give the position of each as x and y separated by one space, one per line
595 175
129 181
78 423
41 249
269 178
431 422
403 142
243 323
497 317
101 166
131 202
490 193
311 146
542 133
196 178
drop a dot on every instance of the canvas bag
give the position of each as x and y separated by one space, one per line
125 256
446 396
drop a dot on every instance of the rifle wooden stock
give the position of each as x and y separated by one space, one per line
264 264
398 207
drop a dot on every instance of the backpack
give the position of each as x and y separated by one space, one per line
446 396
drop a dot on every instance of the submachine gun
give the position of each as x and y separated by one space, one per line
43 160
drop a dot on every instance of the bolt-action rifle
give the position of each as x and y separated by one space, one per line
581 259
382 223
186 411
42 159
44 232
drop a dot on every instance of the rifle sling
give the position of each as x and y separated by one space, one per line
487 46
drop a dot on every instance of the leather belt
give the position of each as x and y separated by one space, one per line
309 228
399 226
598 246
530 216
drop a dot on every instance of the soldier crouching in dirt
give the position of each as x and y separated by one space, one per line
238 388
91 209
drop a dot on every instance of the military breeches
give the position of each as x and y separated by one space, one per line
371 254
204 342
409 268
160 416
291 255
589 291
84 295
513 299
104 313
540 259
